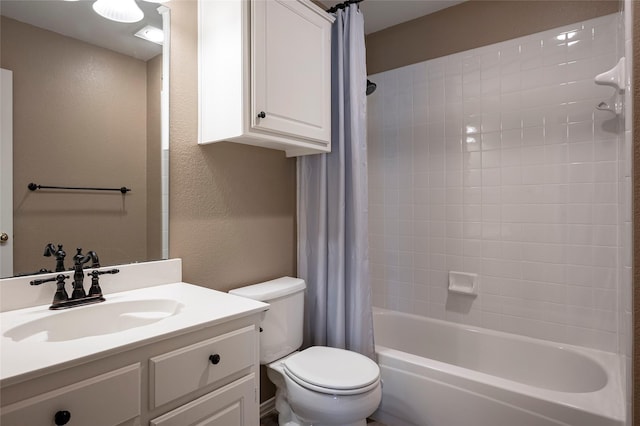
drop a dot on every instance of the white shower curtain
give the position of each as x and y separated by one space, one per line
333 255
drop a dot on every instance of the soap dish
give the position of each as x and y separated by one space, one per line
463 283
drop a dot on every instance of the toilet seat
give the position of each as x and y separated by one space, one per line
332 371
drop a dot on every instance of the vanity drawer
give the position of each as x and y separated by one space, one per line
188 369
105 400
231 405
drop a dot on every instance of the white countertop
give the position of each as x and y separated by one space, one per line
27 355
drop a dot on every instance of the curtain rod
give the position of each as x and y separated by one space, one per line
342 5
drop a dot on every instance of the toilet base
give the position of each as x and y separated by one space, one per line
318 409
293 423
299 406
286 417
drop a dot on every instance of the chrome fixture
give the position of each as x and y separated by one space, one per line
615 77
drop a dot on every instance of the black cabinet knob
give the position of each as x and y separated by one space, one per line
215 358
262 114
62 417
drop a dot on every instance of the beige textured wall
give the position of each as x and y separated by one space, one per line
63 91
473 24
232 206
154 185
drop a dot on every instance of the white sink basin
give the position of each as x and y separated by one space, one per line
94 320
35 340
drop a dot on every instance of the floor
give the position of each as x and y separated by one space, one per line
272 420
269 420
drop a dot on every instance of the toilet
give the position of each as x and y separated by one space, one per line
319 386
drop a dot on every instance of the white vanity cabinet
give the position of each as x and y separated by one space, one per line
264 74
104 400
204 377
190 368
227 406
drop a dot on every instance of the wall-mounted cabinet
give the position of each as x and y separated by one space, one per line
264 74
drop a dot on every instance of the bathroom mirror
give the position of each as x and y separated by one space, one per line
90 110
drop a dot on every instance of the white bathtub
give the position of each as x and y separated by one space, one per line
437 373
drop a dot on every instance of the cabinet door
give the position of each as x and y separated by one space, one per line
291 69
232 405
105 400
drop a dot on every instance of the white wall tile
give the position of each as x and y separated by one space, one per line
495 161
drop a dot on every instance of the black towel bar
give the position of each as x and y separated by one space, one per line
32 186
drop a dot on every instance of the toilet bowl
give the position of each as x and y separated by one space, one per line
319 386
325 386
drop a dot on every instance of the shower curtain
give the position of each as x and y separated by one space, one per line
333 255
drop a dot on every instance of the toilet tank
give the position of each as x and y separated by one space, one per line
281 327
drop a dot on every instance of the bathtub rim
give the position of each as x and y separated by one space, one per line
608 401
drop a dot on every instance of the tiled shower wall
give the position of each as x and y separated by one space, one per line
495 161
626 252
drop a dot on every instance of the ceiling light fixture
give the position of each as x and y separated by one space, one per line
152 34
568 35
119 10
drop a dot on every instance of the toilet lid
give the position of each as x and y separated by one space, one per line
332 370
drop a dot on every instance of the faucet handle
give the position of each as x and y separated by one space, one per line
59 277
95 273
61 294
95 289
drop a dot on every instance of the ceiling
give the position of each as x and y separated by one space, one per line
78 20
381 14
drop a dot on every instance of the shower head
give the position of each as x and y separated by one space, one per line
371 87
